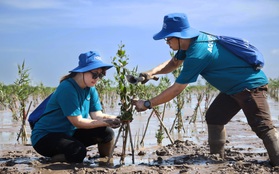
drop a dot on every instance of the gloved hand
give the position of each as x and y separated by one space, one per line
139 105
113 122
147 76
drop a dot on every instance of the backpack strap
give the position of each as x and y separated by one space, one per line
38 113
213 40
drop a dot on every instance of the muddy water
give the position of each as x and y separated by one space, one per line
193 132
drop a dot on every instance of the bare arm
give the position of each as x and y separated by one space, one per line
99 115
168 94
166 67
99 119
164 97
83 123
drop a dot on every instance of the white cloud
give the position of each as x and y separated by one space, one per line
275 52
89 13
28 26
31 4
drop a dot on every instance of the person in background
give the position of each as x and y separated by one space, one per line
65 129
241 86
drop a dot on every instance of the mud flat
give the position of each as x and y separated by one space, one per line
189 153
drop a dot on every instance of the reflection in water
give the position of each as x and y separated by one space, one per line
9 130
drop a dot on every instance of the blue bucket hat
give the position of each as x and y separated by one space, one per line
176 25
90 60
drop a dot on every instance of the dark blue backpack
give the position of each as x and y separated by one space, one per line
241 48
38 113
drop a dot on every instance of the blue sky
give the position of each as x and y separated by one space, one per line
50 34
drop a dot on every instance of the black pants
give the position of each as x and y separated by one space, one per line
254 104
73 147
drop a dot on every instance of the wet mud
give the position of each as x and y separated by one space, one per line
180 157
244 152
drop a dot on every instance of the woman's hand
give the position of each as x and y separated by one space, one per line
113 122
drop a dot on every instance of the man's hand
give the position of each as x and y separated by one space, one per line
147 76
139 105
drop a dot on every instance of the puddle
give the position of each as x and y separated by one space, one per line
239 141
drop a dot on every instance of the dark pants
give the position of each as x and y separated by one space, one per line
73 147
254 104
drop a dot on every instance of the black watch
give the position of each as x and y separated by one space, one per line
147 104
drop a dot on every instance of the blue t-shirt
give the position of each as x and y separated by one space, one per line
219 67
67 100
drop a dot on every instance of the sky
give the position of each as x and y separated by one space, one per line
49 35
